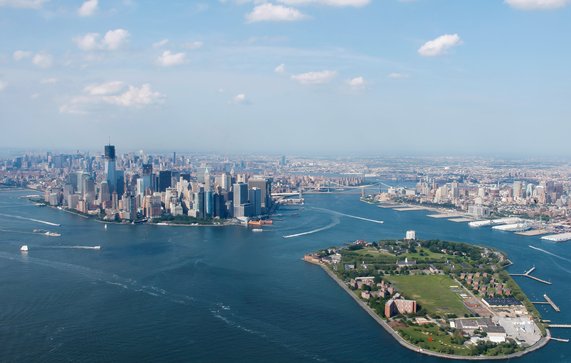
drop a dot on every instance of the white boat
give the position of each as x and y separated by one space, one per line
52 234
257 230
105 226
24 248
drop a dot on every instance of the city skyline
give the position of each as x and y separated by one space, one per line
400 77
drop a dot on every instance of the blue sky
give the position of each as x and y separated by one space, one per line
288 76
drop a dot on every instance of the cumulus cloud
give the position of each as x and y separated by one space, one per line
310 78
112 40
336 3
439 45
88 8
537 4
240 99
3 85
280 69
23 4
42 60
168 58
113 93
161 43
357 82
21 54
271 12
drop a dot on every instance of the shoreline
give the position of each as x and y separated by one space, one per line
540 344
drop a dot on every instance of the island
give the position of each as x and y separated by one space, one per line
446 299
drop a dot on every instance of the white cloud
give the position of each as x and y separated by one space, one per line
439 45
280 69
271 12
112 40
51 80
194 45
168 58
21 54
89 41
160 43
314 77
106 88
397 75
136 96
113 93
240 99
337 3
3 85
23 4
88 8
537 4
42 60
357 82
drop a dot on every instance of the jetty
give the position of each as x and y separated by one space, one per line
548 301
528 275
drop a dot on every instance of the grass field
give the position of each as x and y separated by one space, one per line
432 292
434 339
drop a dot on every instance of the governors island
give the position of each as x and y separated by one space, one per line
446 299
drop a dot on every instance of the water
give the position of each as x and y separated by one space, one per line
202 294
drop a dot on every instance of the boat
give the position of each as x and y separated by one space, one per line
257 230
24 248
105 226
52 234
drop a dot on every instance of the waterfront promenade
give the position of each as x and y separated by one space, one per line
540 344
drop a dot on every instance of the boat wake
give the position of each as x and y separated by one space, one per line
30 219
331 225
348 215
100 276
75 247
549 253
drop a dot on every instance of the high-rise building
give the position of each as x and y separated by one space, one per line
265 186
255 197
207 180
165 180
147 178
110 175
240 191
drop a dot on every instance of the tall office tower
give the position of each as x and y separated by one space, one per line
255 197
147 178
517 189
199 205
265 186
110 175
104 194
219 206
120 182
283 160
240 191
174 158
225 181
207 180
208 204
165 180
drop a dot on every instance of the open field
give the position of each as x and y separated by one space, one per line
432 292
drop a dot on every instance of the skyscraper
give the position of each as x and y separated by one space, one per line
110 175
165 180
240 198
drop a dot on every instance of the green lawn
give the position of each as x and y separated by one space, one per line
432 338
432 292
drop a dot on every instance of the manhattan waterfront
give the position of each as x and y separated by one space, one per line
210 294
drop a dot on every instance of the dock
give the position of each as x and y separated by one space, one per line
560 340
548 301
528 275
562 326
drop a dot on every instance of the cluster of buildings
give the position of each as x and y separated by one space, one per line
137 191
484 285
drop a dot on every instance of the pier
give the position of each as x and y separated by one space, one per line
560 340
548 301
528 275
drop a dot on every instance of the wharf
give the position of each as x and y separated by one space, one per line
548 301
528 275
